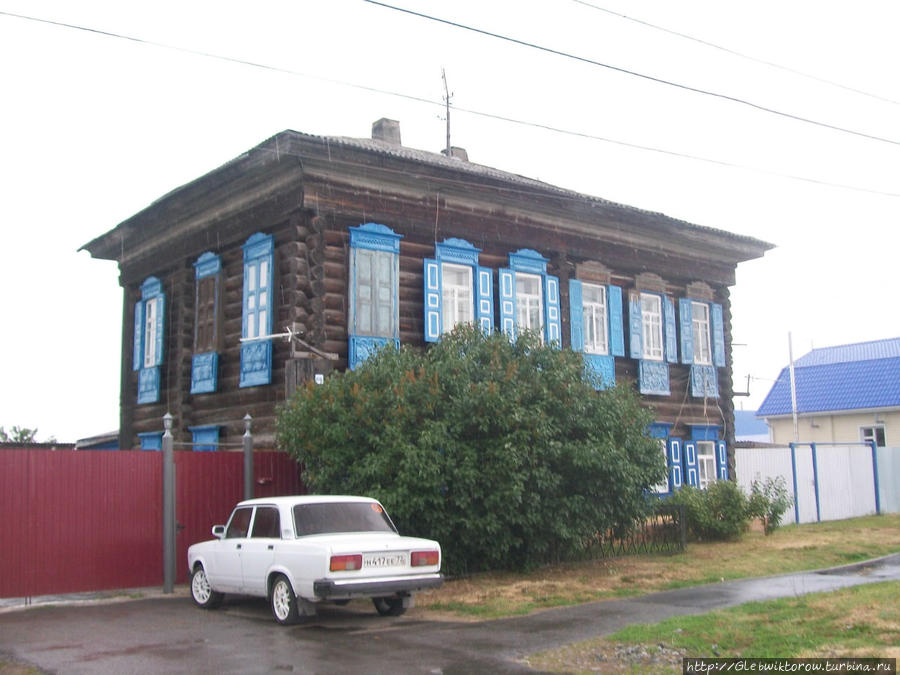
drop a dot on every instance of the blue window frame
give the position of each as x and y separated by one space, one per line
702 344
652 339
457 289
151 440
205 360
529 297
705 456
205 438
258 304
149 338
374 317
595 323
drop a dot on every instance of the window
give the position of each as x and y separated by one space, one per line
374 282
595 322
149 335
456 296
529 297
660 432
700 329
457 289
151 329
593 311
256 323
239 525
207 324
705 456
374 317
702 344
266 523
651 318
706 463
151 440
205 438
663 487
333 517
529 307
873 433
652 331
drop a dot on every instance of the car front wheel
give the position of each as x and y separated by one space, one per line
283 601
201 593
389 606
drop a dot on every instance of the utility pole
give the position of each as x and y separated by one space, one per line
446 108
793 389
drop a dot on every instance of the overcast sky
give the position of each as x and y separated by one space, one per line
95 127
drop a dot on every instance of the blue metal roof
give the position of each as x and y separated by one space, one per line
848 377
859 351
746 423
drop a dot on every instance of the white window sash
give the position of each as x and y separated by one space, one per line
700 325
457 298
150 314
374 293
651 318
529 305
595 324
706 463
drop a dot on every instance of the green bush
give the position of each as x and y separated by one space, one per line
718 512
502 452
769 500
723 511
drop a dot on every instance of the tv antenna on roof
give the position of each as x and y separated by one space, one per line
447 97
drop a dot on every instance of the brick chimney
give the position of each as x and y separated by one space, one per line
457 153
386 130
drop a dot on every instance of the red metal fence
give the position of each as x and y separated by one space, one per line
92 520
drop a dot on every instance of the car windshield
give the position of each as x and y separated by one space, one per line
329 517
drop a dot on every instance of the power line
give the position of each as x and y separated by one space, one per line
441 104
651 78
733 52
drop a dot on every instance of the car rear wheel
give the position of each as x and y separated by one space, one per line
389 606
283 601
201 593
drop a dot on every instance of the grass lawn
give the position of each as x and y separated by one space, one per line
789 549
862 621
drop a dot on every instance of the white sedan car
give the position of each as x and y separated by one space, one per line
301 551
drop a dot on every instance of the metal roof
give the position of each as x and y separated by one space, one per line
859 376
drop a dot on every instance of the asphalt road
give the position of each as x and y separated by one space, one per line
167 634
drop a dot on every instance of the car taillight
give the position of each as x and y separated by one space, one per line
345 563
423 558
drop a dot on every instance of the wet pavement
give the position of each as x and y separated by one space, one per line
167 634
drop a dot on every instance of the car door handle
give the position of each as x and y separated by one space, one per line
238 546
271 547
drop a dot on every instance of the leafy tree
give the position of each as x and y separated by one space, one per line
18 435
503 452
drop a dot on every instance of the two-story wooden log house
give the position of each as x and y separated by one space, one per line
347 244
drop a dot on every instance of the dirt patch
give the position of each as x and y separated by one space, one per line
609 657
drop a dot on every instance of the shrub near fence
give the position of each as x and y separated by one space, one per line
92 520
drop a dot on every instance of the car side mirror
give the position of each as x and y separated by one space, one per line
218 531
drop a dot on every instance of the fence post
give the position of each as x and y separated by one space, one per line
248 458
794 476
815 462
168 506
875 476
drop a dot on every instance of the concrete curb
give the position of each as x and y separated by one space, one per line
90 598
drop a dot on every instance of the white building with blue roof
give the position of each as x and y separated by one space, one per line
848 393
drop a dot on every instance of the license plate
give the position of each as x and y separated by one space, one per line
378 560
